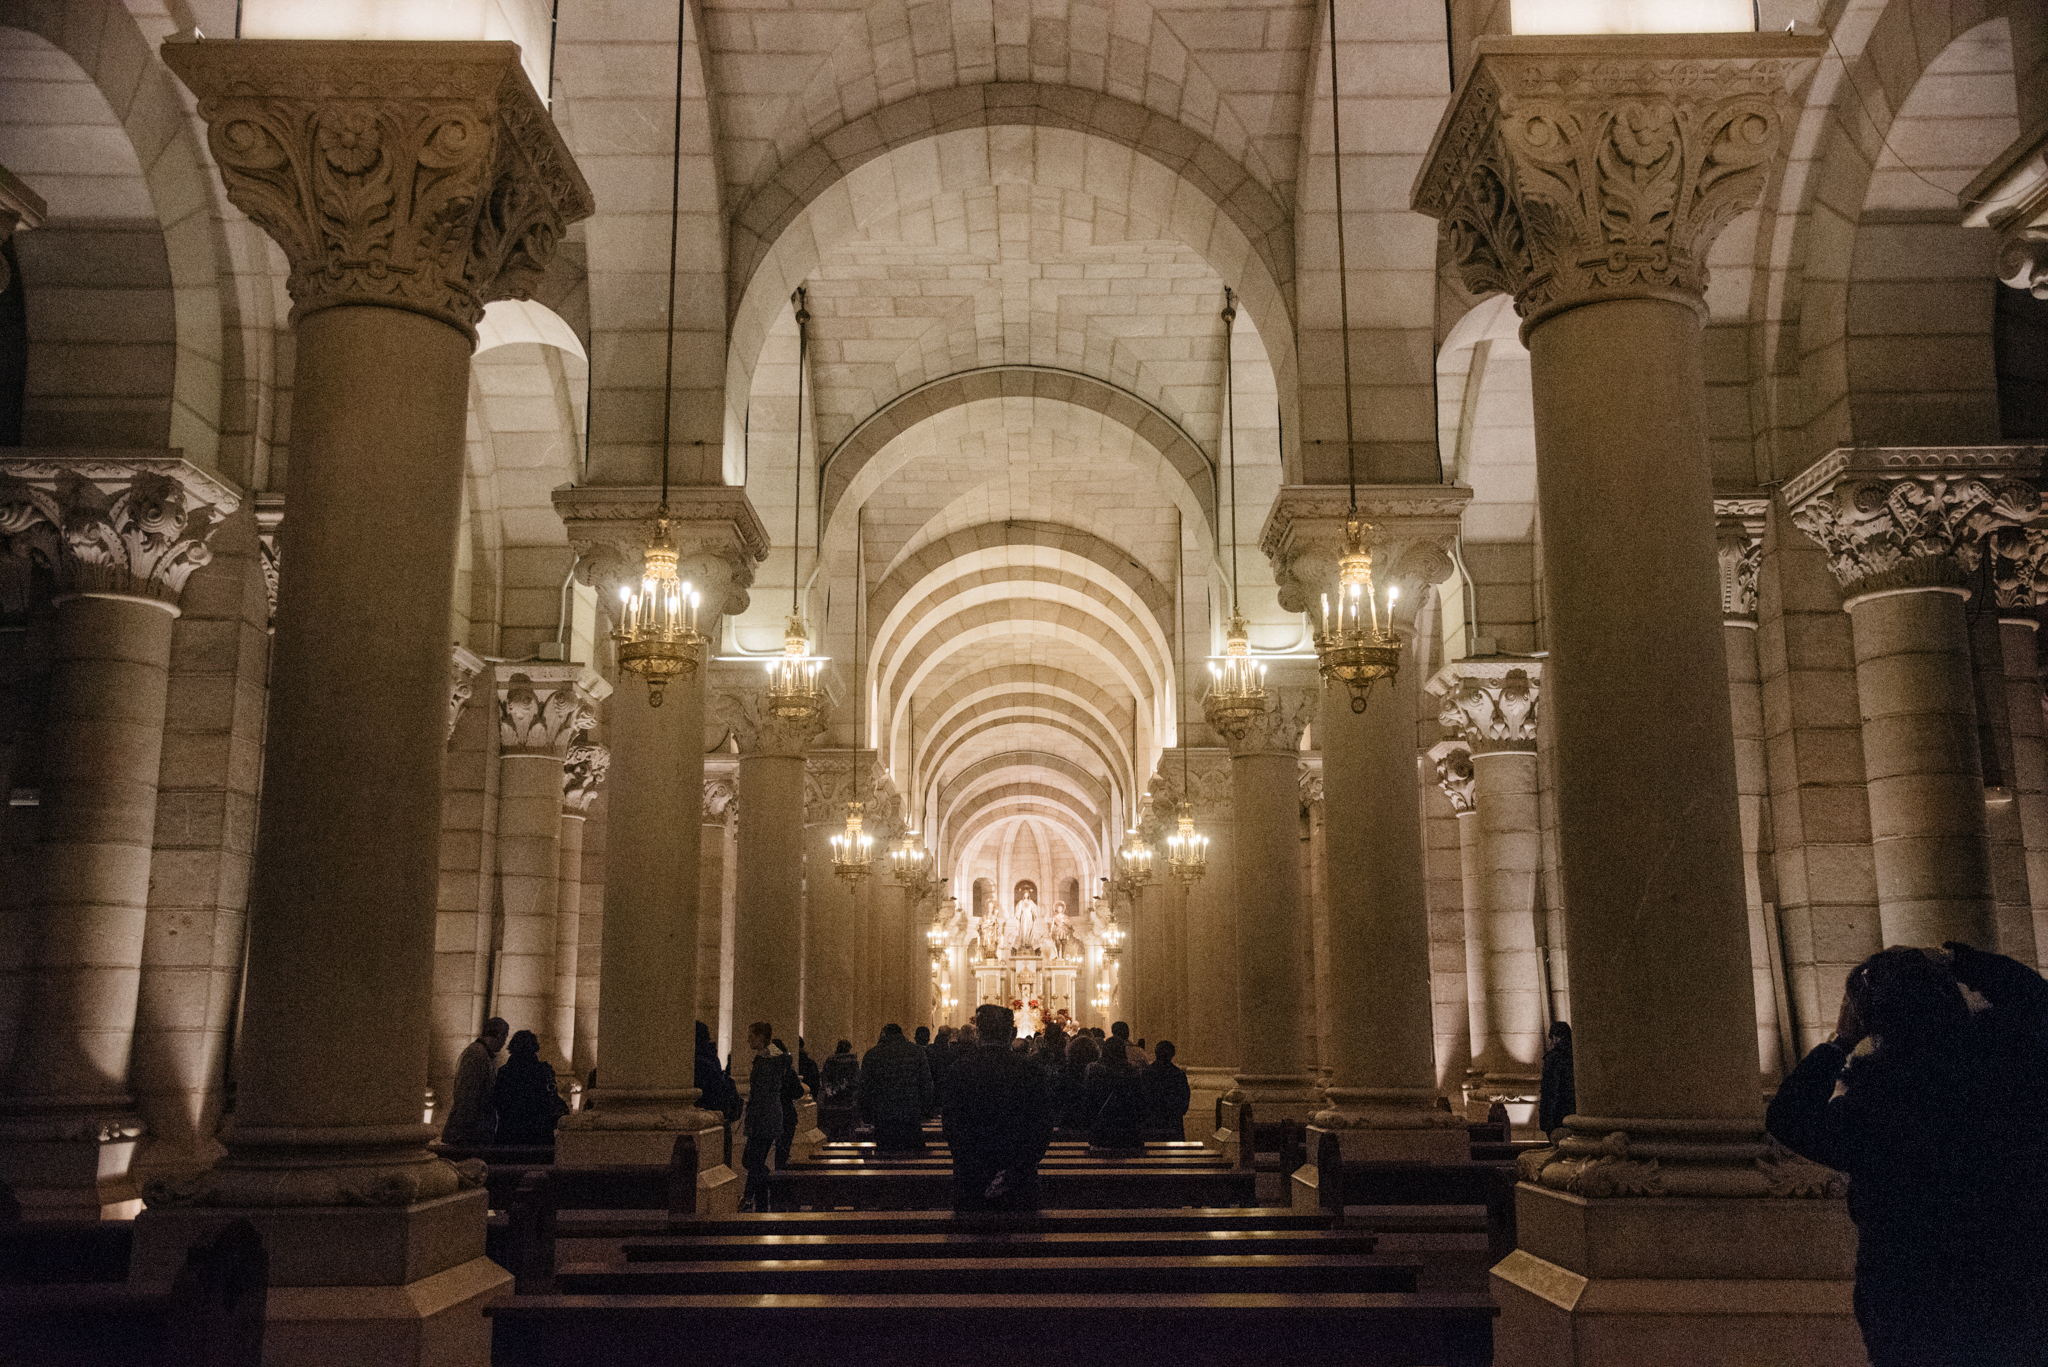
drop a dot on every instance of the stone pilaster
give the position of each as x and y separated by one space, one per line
408 184
1588 176
715 906
114 536
1452 760
583 772
2010 197
1905 529
844 981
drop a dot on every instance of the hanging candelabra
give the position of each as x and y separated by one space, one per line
657 635
1187 852
853 848
793 689
1237 684
909 861
1355 645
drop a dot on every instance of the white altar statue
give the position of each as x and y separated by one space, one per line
1027 923
1059 929
1005 928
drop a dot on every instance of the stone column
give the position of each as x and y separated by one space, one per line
583 770
1453 763
1739 547
1491 705
1272 928
769 896
469 876
2016 561
408 184
1205 943
543 711
1382 1092
123 533
1904 529
590 937
844 983
1588 176
646 1090
714 907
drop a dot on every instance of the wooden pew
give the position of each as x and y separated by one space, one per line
1489 1184
524 1243
968 1241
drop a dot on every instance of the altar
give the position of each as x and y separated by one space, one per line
1027 959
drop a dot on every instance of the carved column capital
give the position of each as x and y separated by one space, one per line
130 524
420 176
721 798
584 770
1310 781
544 709
1207 789
1739 546
1414 528
1277 730
1453 761
2010 197
269 522
20 207
1571 170
1905 517
463 669
1490 704
745 713
719 539
832 779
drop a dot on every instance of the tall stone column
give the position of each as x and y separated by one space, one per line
1587 176
2017 561
122 533
1382 1092
407 184
767 961
1492 705
1273 1071
543 712
714 906
583 770
845 983
1205 1030
1739 547
1453 763
646 1091
1904 530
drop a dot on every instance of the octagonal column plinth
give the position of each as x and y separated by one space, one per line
122 536
1588 176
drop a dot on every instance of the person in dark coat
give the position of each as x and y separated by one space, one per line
525 1096
1070 1091
806 1068
766 1077
998 1121
895 1091
471 1122
792 1092
937 1056
836 1085
1164 1087
1942 1127
1115 1104
1558 1096
719 1095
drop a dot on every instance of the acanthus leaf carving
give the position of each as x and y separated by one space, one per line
1491 705
584 770
1453 762
545 709
134 526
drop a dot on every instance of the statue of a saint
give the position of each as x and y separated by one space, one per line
1060 929
1027 923
1005 928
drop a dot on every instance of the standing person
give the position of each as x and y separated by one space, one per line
895 1091
1558 1096
836 1084
1115 1105
471 1121
1164 1087
1070 1092
718 1094
525 1095
937 1055
998 1121
806 1068
1942 1126
765 1078
792 1092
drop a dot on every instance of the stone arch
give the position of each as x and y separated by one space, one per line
1085 782
941 555
1008 776
962 839
984 731
1056 698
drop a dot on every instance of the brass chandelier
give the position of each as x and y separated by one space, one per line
1237 685
1353 645
853 849
794 693
1187 853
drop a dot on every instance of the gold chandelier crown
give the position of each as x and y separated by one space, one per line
1237 683
1187 853
657 636
793 688
1356 646
853 849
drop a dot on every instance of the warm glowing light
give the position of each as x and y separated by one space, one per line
1632 16
525 22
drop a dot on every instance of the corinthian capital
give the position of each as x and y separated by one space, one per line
544 709
1490 704
2011 198
1414 528
1277 730
1739 545
1569 170
1453 761
584 770
1901 517
418 176
109 523
759 731
719 539
463 669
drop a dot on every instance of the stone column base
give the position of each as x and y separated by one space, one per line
586 1145
63 1170
1621 1281
395 1286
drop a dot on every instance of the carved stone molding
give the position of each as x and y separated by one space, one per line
1570 170
1900 517
463 670
544 709
20 207
1453 761
112 522
721 798
1277 730
1207 790
2010 197
760 732
1415 527
2018 562
584 770
1739 545
269 521
829 784
719 539
1310 781
418 176
1490 704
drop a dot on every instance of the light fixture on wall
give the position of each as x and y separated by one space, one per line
657 635
1353 646
1237 685
853 849
793 689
